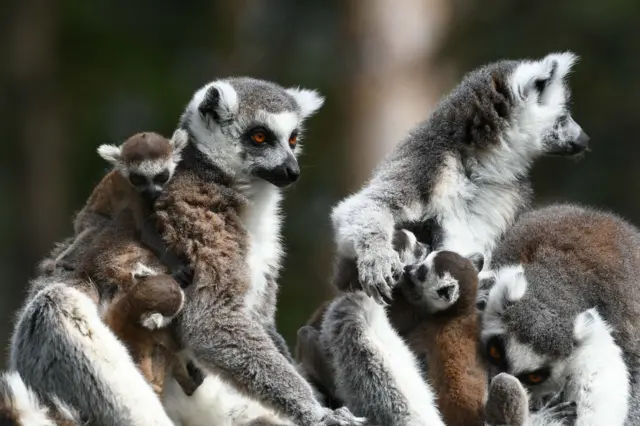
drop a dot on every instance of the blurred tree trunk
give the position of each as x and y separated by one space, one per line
394 82
38 121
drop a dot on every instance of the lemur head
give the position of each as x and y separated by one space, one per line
523 336
147 160
442 280
541 115
518 110
251 128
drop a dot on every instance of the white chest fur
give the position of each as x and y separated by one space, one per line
472 215
263 222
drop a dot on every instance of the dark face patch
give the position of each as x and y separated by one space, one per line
145 146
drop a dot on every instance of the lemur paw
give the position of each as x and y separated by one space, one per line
341 417
378 271
558 409
184 276
154 320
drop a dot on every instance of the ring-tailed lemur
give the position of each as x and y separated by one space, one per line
444 288
554 264
221 213
105 253
21 406
462 175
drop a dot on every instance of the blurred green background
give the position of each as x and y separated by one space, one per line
78 73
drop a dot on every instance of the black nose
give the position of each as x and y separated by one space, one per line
445 292
580 144
421 272
150 194
293 172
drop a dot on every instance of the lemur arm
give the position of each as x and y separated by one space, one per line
376 374
364 226
97 376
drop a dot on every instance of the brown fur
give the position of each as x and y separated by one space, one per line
158 293
106 250
145 146
448 341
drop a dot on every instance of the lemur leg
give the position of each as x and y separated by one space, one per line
376 374
239 348
598 376
61 346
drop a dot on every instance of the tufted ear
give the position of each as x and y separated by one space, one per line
111 153
219 100
309 101
533 78
179 140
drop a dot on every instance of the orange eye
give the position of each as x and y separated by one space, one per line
494 352
259 137
535 378
293 139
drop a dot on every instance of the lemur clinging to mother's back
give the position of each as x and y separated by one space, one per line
463 173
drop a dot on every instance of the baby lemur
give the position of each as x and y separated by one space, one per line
443 289
108 231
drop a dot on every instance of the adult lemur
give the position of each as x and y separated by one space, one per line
221 213
554 264
460 176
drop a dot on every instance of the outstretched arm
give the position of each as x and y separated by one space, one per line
61 346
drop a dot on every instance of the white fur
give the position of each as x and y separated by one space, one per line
25 403
401 363
599 380
110 153
473 215
262 220
510 286
110 359
309 101
215 402
179 140
141 270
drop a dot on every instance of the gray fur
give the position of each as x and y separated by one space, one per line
366 355
465 169
555 264
508 405
229 315
61 326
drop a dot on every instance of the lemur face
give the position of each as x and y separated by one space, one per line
253 128
541 97
437 282
523 338
146 160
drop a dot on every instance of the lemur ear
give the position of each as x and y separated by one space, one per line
533 78
179 140
309 101
586 324
477 259
111 153
220 101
